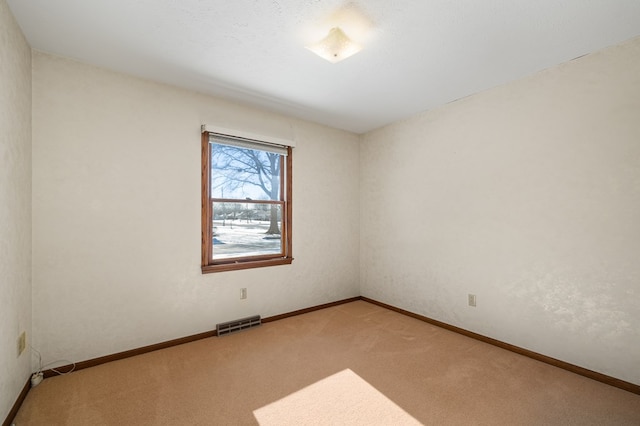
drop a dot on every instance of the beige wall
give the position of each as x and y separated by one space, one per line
117 214
527 195
15 207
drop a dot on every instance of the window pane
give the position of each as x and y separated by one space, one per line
241 173
246 229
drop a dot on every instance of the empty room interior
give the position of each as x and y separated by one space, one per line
449 232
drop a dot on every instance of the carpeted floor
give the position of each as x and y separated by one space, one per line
355 363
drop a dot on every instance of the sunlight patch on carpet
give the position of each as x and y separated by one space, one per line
343 398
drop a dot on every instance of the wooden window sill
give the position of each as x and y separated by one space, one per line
222 267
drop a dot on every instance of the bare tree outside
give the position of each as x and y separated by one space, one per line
243 173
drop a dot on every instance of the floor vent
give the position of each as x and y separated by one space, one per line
238 325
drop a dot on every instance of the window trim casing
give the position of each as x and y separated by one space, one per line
208 265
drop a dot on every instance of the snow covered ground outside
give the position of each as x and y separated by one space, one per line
242 238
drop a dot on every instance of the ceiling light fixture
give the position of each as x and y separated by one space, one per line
335 47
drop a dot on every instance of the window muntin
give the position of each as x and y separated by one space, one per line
246 204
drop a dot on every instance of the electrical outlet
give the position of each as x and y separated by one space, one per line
472 300
243 293
22 342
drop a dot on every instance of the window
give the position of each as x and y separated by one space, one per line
246 203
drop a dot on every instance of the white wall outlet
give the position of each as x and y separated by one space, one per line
36 378
243 293
22 342
472 300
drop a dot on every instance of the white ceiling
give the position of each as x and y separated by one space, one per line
417 55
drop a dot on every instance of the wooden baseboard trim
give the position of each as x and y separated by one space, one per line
311 309
145 349
594 375
18 403
126 354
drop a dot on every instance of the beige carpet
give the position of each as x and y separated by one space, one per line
351 364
